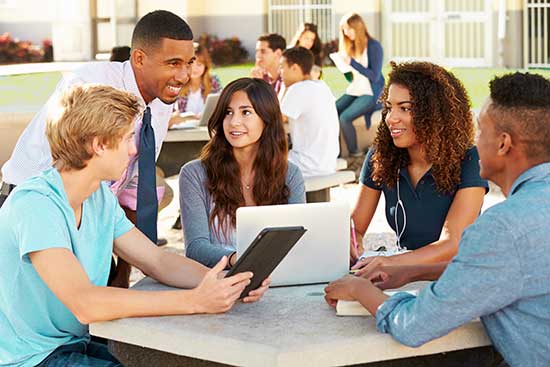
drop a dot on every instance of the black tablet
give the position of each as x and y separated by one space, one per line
266 252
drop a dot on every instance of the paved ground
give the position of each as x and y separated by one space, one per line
378 233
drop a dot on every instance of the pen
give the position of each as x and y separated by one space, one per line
353 237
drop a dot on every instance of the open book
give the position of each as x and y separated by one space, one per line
340 62
360 84
354 308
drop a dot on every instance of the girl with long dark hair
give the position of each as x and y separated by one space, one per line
307 37
244 164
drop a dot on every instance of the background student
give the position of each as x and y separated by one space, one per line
309 107
365 55
307 37
269 49
244 164
202 82
120 53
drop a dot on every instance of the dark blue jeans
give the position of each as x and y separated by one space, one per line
81 354
349 108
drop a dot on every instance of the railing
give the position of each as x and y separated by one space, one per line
451 32
285 16
536 34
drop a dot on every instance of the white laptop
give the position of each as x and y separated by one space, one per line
209 106
320 256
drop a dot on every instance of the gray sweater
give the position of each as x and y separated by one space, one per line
201 242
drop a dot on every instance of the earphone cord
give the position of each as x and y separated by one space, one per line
397 205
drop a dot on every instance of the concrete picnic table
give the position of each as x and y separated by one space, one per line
180 147
290 326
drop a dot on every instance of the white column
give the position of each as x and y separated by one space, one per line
72 31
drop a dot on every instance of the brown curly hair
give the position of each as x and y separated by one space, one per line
442 123
270 165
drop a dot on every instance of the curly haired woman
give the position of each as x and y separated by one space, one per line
244 164
425 163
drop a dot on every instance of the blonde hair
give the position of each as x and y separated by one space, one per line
83 113
357 47
201 53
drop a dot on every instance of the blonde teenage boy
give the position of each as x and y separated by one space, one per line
57 233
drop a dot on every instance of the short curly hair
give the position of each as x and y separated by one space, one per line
156 25
442 123
520 106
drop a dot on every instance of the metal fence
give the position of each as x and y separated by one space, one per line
450 32
536 33
286 16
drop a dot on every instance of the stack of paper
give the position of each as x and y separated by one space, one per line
340 62
188 124
360 84
354 308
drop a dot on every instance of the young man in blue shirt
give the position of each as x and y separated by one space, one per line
57 233
502 270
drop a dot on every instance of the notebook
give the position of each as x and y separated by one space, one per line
340 63
354 308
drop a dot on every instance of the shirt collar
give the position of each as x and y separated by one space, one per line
538 171
129 80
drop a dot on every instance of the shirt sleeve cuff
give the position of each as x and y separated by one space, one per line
478 183
206 253
123 228
385 309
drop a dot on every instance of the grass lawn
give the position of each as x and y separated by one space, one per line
29 91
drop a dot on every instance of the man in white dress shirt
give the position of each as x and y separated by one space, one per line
159 66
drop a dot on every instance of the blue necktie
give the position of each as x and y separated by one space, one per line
147 203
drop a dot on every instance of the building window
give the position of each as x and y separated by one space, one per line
537 33
286 16
450 32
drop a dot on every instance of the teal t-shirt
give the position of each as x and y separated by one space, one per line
37 216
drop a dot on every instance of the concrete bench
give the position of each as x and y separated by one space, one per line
318 187
365 137
341 164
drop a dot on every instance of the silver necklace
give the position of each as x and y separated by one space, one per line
247 186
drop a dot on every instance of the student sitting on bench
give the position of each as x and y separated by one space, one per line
310 109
